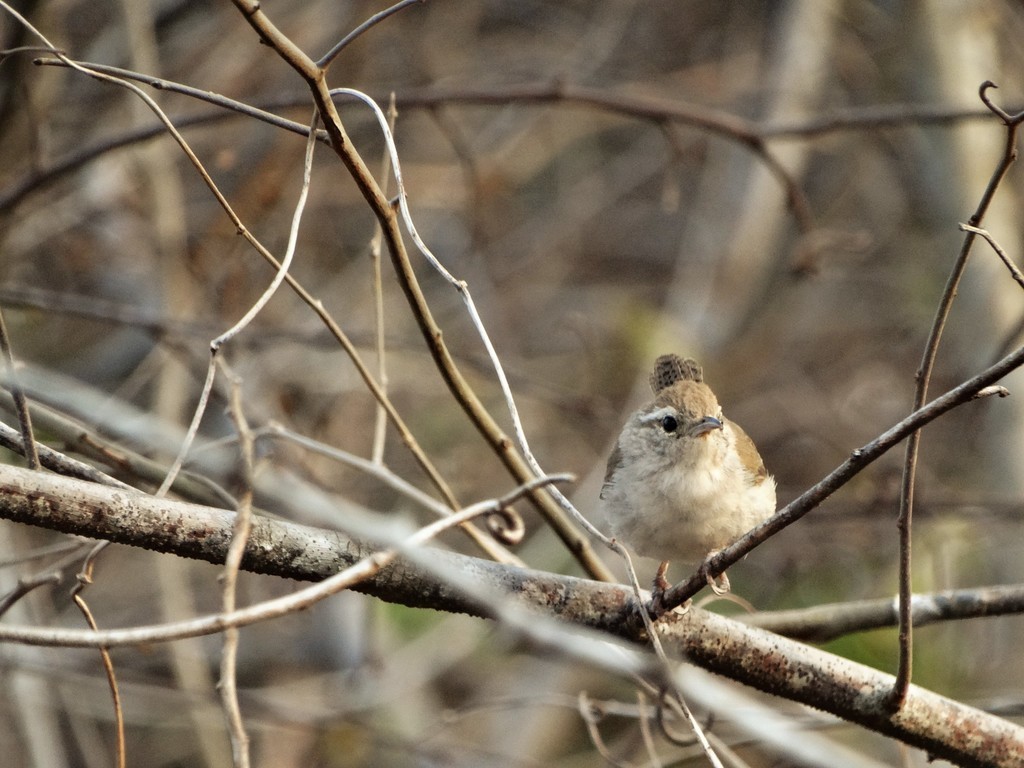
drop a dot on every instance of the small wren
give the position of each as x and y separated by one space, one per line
684 481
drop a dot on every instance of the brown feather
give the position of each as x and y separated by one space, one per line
748 452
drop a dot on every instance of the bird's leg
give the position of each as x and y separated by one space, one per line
660 582
658 589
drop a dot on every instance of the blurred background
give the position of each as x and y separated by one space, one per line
595 233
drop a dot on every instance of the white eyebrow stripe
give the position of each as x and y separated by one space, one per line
658 415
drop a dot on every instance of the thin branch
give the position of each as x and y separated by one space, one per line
87 441
84 579
28 442
258 305
240 107
239 540
381 420
327 59
39 178
289 254
1015 273
822 623
26 585
459 285
377 470
644 721
249 316
923 379
727 126
591 715
316 305
13 440
193 427
60 548
714 121
81 400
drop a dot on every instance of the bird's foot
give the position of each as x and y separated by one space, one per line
719 584
659 588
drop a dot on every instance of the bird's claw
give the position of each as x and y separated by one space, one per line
720 584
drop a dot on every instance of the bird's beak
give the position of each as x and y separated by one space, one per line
704 426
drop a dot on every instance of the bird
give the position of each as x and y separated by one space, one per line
683 481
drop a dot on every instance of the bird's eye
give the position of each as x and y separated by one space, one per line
669 424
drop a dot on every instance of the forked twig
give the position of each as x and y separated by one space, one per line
923 379
381 206
84 579
1015 273
249 316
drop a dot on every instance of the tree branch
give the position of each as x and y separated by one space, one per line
752 656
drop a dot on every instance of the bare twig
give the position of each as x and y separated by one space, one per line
923 379
193 427
56 461
381 421
462 288
289 254
591 715
85 578
60 548
232 565
718 122
644 721
326 60
665 703
377 470
87 441
200 409
28 442
823 623
225 103
1015 273
727 126
25 585
255 309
